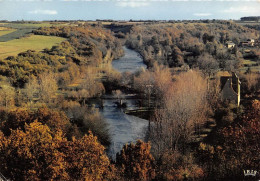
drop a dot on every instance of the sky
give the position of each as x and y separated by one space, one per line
127 9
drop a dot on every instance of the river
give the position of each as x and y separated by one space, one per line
130 62
123 128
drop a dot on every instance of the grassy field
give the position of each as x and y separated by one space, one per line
34 42
243 23
252 64
249 62
22 29
5 32
253 69
25 25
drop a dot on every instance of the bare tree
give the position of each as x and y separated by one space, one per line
208 64
42 88
47 87
185 108
252 82
7 94
32 89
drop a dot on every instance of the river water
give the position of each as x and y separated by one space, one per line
130 62
123 128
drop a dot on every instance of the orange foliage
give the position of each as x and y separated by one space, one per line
136 162
237 147
38 154
17 118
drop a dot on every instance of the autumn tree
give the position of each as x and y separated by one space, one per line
40 154
177 167
87 119
208 64
87 160
154 82
183 112
88 87
47 87
177 58
234 148
42 88
17 119
252 83
34 155
207 38
135 161
31 89
7 95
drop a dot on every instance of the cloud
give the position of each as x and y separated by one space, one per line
45 12
242 9
202 14
132 4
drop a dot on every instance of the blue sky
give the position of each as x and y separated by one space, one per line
127 9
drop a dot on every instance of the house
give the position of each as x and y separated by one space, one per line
230 44
251 42
230 88
248 43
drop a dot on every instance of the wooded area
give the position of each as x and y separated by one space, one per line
49 130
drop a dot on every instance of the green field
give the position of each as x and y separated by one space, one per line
249 62
22 29
253 69
5 32
34 42
25 25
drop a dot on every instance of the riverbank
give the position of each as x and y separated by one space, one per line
123 128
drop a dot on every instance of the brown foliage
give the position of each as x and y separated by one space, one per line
39 154
237 147
87 119
183 112
18 118
154 82
177 167
42 88
252 83
7 96
135 162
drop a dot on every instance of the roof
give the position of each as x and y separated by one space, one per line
223 80
223 73
230 43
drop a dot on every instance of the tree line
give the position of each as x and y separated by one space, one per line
48 133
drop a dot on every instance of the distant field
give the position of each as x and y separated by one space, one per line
25 25
243 23
31 25
5 32
252 64
249 62
3 28
109 23
253 69
21 29
34 42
